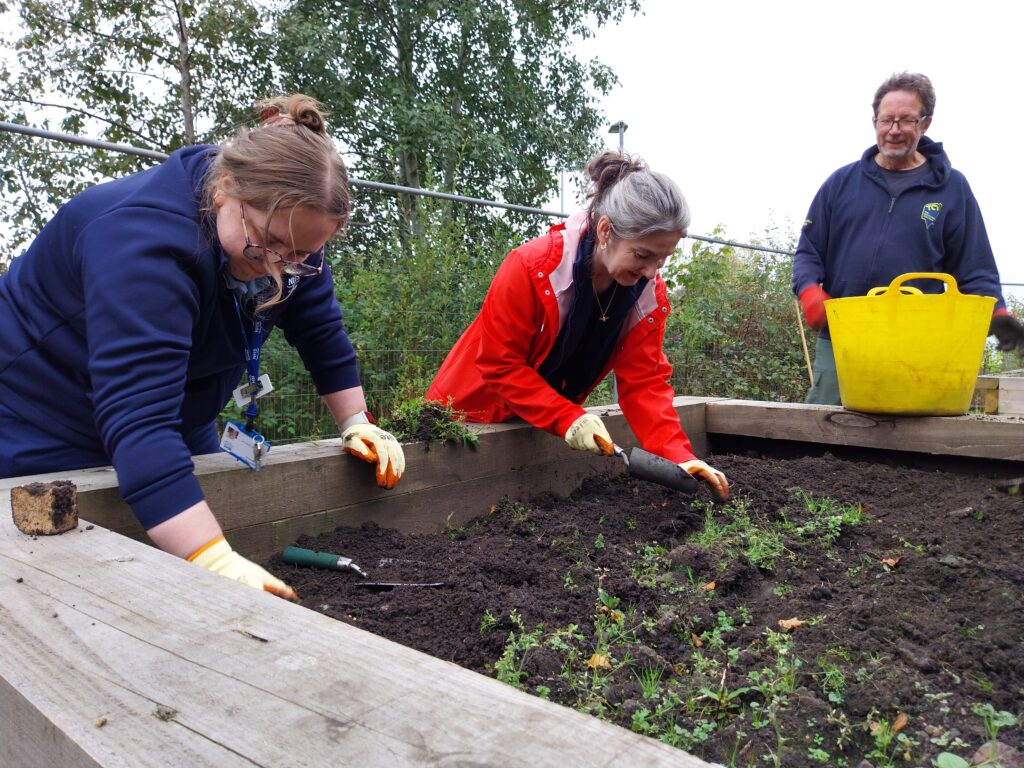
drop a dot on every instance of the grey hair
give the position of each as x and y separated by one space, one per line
637 200
914 82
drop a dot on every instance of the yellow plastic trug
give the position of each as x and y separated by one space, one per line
900 351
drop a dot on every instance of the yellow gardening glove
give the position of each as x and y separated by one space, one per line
219 557
371 443
588 433
710 475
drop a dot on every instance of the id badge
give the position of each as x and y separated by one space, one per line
246 393
248 447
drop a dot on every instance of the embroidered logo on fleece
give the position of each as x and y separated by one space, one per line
930 214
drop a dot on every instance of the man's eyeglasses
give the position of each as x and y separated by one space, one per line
885 123
310 266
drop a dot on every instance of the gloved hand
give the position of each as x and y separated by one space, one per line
371 443
1008 330
710 475
588 433
812 299
219 557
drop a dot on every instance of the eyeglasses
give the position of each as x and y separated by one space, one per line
309 266
885 123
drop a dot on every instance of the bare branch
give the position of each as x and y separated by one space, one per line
67 108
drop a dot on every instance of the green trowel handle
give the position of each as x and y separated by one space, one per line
309 558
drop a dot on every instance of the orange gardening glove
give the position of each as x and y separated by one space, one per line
1008 330
371 443
812 299
716 479
588 433
219 557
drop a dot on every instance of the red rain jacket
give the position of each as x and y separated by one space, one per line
491 372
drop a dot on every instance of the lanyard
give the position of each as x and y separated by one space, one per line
252 360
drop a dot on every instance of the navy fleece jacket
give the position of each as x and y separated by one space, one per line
857 236
120 339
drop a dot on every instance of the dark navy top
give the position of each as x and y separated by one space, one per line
120 342
585 342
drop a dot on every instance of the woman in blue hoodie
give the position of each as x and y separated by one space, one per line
131 318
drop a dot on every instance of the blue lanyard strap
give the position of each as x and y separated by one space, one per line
252 358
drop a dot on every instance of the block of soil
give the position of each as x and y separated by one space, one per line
44 509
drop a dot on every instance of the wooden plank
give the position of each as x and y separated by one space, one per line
190 668
1010 402
987 390
323 487
990 437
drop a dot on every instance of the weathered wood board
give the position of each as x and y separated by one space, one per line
187 668
315 487
113 653
988 437
1002 393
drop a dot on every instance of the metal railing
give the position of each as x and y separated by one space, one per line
154 155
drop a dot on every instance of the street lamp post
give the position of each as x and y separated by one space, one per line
619 128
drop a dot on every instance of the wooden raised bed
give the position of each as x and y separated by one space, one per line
1002 393
116 654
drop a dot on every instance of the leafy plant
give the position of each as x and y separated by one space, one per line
487 622
889 740
509 668
427 422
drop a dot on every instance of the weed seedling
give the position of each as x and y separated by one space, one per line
890 742
782 590
487 623
993 720
650 681
831 679
509 668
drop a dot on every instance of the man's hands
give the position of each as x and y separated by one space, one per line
219 557
812 299
1009 332
588 433
710 475
371 443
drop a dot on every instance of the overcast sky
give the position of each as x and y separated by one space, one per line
750 105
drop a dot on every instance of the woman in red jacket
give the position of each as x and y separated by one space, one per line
566 308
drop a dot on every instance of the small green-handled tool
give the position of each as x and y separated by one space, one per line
325 560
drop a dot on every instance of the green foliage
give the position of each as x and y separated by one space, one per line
509 668
421 421
890 743
404 313
293 411
734 330
156 76
827 518
482 99
762 545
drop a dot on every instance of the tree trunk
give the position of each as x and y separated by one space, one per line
408 159
184 71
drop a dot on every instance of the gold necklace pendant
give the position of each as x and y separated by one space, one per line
604 310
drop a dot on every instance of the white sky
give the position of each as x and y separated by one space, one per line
750 105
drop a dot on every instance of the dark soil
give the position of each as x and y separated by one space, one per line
607 602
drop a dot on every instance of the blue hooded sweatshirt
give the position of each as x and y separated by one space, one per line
858 236
121 343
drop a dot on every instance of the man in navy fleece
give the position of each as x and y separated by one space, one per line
901 208
134 313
